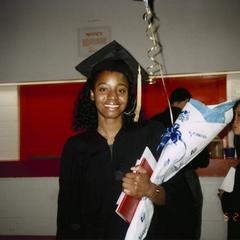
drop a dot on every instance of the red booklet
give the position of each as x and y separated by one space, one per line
127 205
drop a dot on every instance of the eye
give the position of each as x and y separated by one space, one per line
102 89
122 90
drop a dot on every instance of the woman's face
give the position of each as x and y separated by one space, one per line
110 94
237 111
236 122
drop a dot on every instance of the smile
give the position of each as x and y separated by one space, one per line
111 106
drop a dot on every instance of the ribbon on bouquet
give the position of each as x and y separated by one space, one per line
194 129
171 133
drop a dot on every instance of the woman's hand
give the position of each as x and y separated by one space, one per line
136 183
220 193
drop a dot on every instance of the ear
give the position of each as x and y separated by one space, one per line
92 95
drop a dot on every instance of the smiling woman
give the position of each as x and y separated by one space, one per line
94 162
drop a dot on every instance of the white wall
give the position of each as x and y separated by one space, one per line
28 206
39 38
9 123
233 86
213 225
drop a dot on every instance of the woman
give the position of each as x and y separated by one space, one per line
231 200
94 162
231 207
236 127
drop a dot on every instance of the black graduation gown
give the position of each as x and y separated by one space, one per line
231 207
90 181
237 144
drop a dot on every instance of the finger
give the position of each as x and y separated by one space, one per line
141 170
129 189
126 185
128 180
130 175
134 169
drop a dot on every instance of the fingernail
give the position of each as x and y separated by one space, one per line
134 169
126 191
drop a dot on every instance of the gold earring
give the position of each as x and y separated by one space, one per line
92 95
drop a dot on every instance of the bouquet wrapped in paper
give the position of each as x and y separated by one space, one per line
194 129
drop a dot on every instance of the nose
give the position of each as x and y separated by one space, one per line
112 94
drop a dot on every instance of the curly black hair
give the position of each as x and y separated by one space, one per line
236 104
85 112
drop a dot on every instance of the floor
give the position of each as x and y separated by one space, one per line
27 237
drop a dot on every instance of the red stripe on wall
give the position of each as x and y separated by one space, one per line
45 119
208 89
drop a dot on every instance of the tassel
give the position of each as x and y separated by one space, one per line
139 95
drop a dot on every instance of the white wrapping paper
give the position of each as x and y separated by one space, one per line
193 130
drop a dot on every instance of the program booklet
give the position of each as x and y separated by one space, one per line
228 181
126 205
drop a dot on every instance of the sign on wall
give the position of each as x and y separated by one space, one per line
92 39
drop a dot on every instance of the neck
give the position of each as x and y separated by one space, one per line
109 129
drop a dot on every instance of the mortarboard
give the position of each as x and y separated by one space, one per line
115 57
112 50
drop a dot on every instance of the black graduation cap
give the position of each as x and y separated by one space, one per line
111 51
